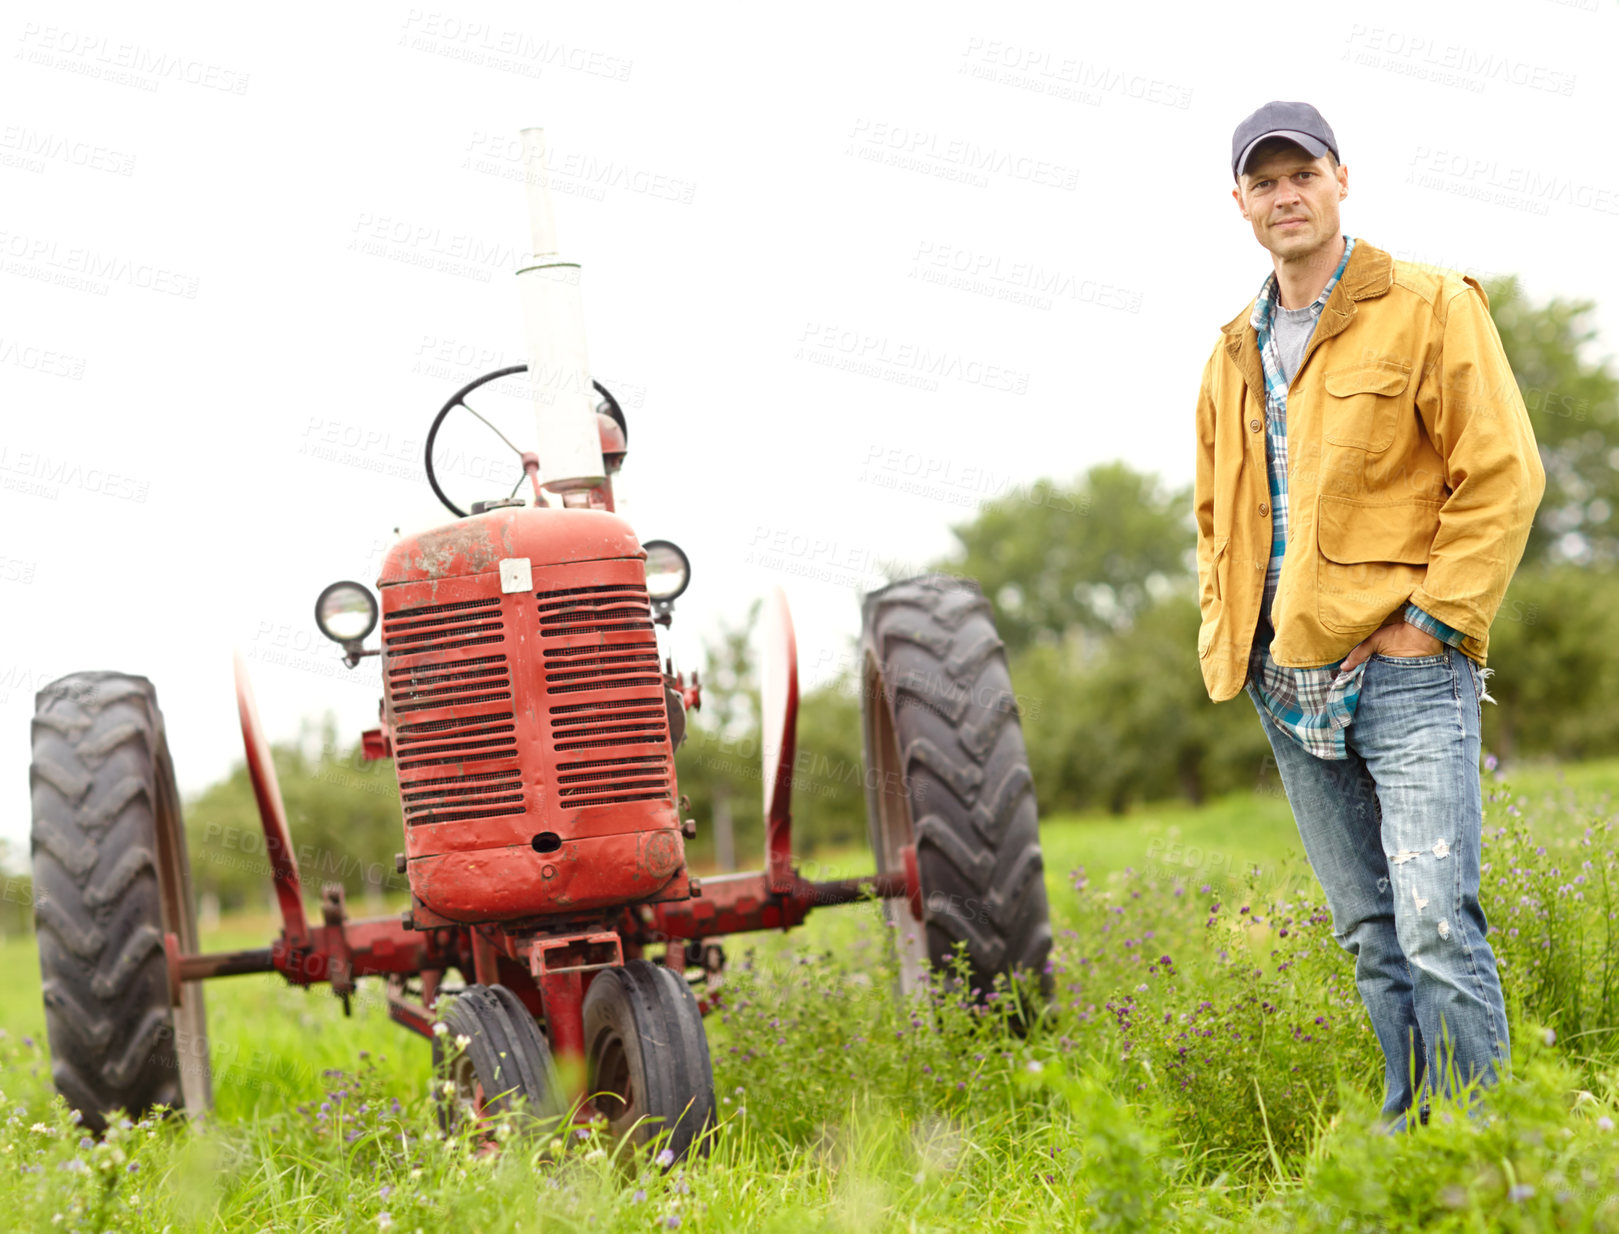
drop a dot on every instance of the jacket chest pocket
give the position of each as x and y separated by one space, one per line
1364 405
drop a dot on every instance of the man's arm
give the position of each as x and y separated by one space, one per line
1203 487
1469 402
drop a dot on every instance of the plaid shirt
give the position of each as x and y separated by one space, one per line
1312 705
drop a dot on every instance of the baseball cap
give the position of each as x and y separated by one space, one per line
1298 122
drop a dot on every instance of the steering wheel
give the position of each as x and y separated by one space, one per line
459 399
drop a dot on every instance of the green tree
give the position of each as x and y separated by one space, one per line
1573 402
1091 554
1128 720
16 892
1554 661
720 766
342 812
829 772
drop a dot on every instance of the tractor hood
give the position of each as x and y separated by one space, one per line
477 545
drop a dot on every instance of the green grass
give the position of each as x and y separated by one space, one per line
1233 1087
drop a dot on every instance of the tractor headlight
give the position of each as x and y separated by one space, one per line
667 570
346 612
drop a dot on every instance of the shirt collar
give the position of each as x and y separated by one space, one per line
1266 303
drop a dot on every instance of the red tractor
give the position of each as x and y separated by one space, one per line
533 724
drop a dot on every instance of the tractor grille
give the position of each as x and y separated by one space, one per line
471 679
443 627
608 713
458 798
478 679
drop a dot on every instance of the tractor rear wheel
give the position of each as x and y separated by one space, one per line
505 1067
111 879
948 784
647 1057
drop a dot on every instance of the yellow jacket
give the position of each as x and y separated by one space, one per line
1412 472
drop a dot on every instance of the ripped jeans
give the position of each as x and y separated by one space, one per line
1393 834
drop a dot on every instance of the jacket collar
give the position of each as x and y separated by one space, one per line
1370 273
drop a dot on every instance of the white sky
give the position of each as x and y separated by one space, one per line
220 349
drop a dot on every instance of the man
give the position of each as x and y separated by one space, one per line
1366 478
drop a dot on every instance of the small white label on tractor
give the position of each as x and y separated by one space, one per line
516 574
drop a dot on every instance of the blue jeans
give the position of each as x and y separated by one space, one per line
1393 834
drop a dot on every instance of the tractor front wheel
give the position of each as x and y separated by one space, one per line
949 794
504 1066
647 1057
111 879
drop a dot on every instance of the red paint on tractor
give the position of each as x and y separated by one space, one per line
375 743
503 884
529 726
272 814
778 704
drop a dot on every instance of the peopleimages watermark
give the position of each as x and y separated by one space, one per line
1448 63
900 362
33 150
315 863
35 359
846 671
1067 78
34 473
429 247
824 559
573 172
121 62
952 158
814 775
28 680
1495 183
1457 262
1028 283
331 439
15 570
304 650
954 482
501 47
448 359
88 269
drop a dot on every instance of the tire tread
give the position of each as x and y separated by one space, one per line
944 678
99 754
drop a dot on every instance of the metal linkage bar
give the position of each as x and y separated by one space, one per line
737 903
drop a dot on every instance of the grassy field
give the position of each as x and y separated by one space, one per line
1207 1066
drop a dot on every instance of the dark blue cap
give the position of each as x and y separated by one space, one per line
1297 122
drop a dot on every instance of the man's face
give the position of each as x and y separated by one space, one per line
1291 199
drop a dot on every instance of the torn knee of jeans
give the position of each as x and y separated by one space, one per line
1444 928
1440 850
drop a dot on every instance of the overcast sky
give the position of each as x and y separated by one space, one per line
850 268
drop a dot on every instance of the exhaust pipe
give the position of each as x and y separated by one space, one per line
554 330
